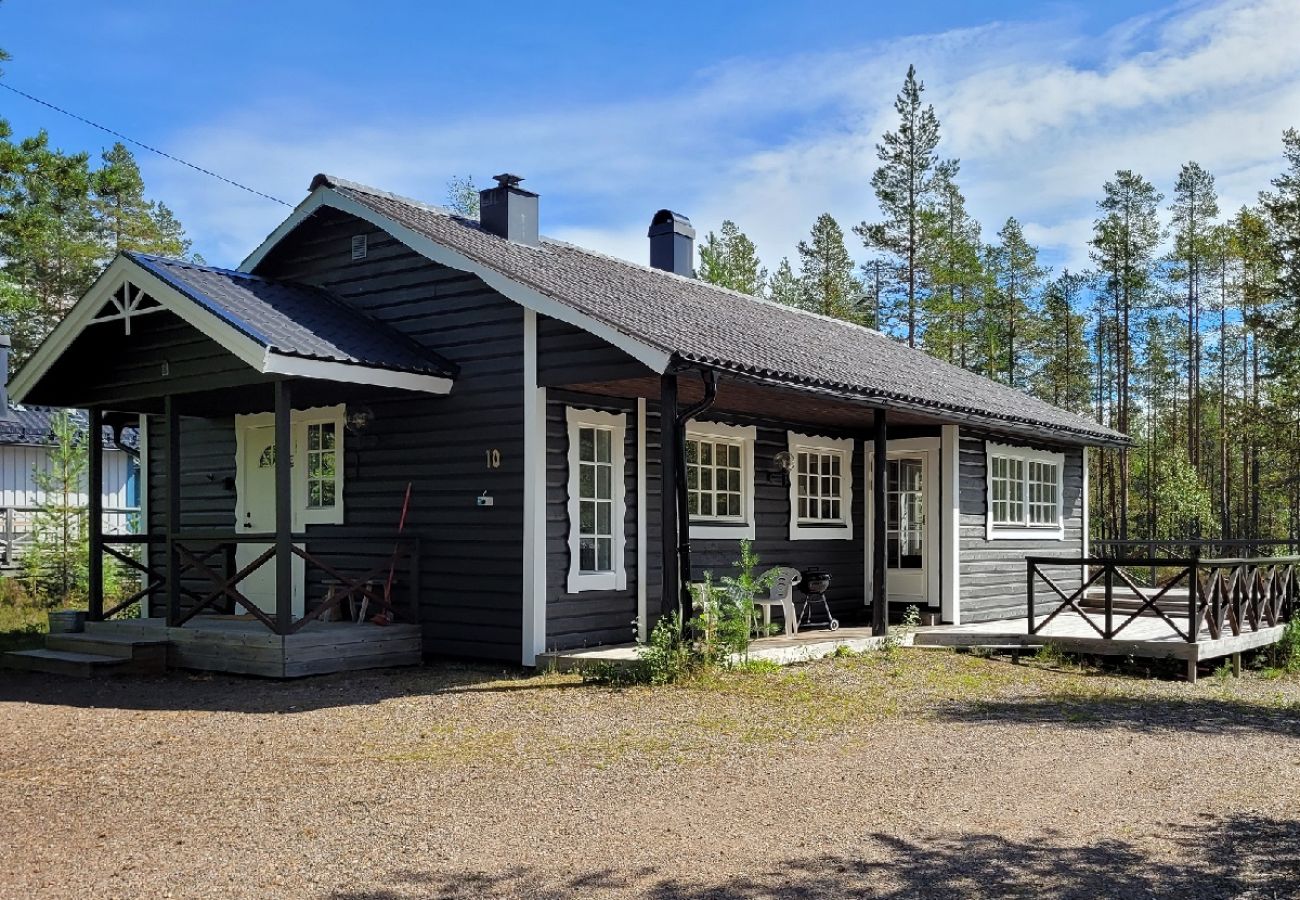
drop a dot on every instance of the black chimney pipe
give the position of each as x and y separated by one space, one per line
672 243
508 210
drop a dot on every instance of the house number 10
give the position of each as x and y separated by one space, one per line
493 459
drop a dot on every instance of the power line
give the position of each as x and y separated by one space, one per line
142 145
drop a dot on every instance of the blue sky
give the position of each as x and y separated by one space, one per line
762 112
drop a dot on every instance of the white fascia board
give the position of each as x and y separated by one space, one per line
83 312
529 298
329 370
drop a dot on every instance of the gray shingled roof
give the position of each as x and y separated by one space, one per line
705 324
31 426
295 319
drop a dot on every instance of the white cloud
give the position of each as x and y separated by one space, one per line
1039 112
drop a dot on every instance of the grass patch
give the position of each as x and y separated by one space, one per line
23 626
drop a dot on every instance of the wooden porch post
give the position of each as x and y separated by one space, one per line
95 512
671 589
283 509
880 500
172 520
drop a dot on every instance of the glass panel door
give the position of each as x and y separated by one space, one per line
905 514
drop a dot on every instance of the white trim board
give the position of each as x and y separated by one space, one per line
1024 532
526 296
642 497
616 424
950 524
723 529
534 549
822 531
251 351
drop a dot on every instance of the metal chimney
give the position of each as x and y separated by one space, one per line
672 243
508 210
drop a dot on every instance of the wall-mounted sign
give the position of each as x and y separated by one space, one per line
493 458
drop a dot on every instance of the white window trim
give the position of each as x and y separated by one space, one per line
1024 532
617 424
742 529
299 419
831 530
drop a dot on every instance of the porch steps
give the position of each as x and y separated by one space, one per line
88 655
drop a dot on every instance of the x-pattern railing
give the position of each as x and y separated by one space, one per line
224 580
1239 594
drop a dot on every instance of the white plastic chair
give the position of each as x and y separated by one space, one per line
782 595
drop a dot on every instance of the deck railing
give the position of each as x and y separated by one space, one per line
1239 594
212 556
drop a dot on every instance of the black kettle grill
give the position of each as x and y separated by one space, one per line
814 585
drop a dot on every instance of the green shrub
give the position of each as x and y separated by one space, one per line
1286 652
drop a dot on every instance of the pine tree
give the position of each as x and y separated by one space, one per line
826 273
55 563
904 185
953 260
127 220
784 286
1124 242
1016 276
1194 209
1062 378
730 260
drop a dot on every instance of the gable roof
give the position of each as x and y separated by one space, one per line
296 319
275 327
658 317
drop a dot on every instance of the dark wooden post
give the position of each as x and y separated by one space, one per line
95 513
172 520
1030 569
668 441
879 504
283 509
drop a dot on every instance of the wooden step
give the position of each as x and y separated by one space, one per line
64 662
149 652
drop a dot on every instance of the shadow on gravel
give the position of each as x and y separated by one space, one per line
1152 714
1242 857
205 692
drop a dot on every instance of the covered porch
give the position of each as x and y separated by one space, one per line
246 394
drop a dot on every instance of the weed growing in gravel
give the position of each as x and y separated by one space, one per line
898 635
1051 654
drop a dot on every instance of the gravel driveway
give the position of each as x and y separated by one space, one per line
912 774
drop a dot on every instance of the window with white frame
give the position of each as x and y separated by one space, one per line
597 501
720 480
821 488
1024 491
322 466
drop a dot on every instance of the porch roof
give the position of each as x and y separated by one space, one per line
664 319
275 327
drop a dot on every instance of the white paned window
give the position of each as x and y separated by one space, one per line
1025 493
821 488
322 467
597 501
720 480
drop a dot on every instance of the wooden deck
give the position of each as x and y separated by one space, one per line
1146 636
243 646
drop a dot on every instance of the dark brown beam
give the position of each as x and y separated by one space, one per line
668 442
172 472
283 509
95 511
879 504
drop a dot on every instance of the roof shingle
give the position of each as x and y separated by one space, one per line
296 319
717 327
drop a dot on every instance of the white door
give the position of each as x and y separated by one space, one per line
256 480
911 523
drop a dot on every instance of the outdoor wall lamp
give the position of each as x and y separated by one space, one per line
359 419
782 466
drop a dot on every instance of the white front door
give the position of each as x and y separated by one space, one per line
911 522
256 481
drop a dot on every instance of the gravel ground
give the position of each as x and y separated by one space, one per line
910 774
